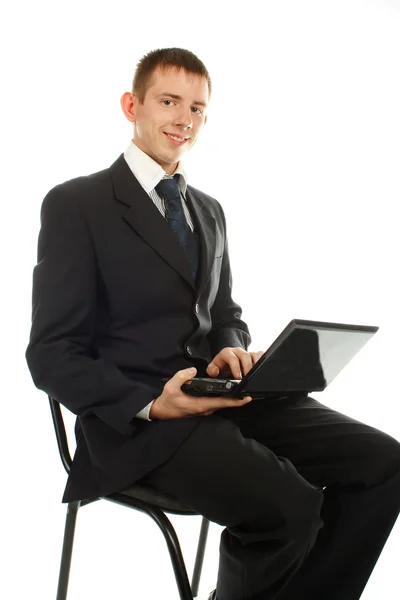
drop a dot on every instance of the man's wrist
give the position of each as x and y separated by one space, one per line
152 416
145 412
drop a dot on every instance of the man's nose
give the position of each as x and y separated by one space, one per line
184 119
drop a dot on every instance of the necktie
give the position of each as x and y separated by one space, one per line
169 190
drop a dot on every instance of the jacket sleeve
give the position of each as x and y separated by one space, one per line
227 330
60 354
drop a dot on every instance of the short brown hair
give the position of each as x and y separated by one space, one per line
166 58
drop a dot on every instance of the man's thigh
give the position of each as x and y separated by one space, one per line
231 479
325 446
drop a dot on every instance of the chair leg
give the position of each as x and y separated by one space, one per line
72 511
198 563
175 552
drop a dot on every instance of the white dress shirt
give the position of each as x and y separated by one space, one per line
149 173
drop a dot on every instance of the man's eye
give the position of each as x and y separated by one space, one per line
195 107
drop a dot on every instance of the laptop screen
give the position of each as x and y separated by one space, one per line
307 355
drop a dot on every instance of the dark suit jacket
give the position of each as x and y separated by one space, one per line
115 309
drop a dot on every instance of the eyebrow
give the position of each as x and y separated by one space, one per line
176 97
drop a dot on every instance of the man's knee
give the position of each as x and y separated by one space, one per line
382 457
294 512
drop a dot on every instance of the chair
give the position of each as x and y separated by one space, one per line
139 497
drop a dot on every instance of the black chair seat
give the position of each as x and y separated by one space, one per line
155 497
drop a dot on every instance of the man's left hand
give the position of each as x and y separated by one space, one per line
234 362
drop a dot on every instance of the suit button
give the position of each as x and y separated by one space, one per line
189 350
196 308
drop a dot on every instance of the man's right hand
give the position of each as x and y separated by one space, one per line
175 404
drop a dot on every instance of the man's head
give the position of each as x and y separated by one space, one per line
170 94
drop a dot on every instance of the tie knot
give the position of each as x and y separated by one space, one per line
169 185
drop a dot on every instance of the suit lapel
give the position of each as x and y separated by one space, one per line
145 218
204 223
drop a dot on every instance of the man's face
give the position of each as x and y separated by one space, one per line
162 113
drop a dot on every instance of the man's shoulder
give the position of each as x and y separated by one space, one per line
82 183
208 201
82 189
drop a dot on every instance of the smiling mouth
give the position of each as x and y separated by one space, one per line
177 141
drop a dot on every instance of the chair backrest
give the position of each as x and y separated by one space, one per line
61 434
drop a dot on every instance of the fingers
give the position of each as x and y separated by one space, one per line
242 401
255 356
206 404
235 366
180 377
241 362
176 404
238 360
232 402
229 357
212 370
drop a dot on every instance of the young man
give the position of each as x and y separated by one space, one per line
133 284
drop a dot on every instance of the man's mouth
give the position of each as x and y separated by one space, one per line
179 141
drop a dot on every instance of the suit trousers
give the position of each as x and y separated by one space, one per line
307 495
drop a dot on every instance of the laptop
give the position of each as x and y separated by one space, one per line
305 357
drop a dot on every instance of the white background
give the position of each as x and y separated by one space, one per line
301 149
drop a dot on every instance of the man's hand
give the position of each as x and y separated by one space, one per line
175 404
233 362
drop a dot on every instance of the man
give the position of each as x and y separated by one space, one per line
123 297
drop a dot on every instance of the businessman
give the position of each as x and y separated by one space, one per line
133 285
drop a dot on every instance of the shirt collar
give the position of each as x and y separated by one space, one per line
148 172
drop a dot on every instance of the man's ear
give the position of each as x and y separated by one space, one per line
128 101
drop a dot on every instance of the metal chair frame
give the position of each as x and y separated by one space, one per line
187 590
